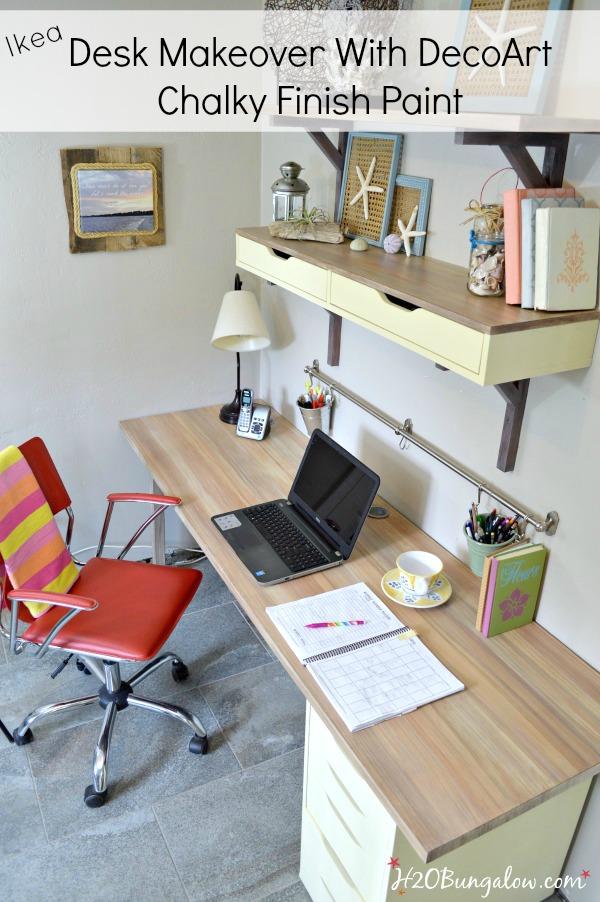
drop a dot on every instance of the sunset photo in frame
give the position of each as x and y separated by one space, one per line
114 198
410 192
371 165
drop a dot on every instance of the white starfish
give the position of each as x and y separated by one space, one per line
406 232
365 187
499 37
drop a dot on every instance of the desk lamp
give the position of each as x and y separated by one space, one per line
240 327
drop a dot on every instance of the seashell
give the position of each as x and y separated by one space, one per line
492 283
392 243
359 244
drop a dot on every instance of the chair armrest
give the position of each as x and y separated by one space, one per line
160 502
168 500
62 599
75 604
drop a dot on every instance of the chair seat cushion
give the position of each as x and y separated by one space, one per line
139 606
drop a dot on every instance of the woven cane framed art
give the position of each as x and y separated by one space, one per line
518 28
411 208
371 165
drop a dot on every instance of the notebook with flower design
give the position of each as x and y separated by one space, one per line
566 258
514 587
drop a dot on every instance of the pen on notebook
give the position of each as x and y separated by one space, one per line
335 623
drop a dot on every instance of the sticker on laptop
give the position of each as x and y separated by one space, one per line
229 521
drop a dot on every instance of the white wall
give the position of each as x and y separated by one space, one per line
91 339
557 463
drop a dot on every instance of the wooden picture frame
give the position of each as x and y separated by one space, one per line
409 192
525 86
364 148
114 198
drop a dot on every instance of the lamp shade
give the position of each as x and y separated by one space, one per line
240 326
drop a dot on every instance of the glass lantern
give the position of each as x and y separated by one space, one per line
289 193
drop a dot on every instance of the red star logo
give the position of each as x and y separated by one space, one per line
393 862
401 892
585 874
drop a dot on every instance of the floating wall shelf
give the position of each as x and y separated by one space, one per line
423 304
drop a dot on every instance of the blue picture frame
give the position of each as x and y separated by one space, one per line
531 103
423 185
377 237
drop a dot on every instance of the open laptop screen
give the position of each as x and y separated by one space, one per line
334 490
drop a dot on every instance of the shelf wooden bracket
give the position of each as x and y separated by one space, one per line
514 147
336 156
515 395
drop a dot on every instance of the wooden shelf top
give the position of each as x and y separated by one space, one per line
431 284
527 725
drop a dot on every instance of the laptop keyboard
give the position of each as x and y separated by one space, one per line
287 540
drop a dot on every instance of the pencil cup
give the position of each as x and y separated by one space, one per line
315 418
478 551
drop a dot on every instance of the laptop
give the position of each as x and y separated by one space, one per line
318 524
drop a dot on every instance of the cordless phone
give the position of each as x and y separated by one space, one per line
254 421
243 425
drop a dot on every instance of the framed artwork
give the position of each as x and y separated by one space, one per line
489 26
411 193
370 168
114 198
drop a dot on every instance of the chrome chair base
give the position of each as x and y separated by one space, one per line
114 695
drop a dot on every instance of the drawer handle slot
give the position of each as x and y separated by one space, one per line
281 254
406 305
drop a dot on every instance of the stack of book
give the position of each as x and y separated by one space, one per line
551 245
510 588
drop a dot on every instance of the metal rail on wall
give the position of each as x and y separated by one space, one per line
548 526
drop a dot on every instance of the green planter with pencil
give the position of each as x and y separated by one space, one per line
486 533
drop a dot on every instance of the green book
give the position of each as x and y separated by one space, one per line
513 589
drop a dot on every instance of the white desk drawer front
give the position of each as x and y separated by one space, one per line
427 333
302 278
321 871
353 799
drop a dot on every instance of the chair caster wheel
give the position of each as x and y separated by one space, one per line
22 740
179 672
198 745
94 799
81 666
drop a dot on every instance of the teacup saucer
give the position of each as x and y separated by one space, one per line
438 594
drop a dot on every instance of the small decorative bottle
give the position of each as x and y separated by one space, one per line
486 263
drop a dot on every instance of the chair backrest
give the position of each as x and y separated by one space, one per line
38 457
42 466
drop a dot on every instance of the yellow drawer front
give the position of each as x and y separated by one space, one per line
442 340
303 278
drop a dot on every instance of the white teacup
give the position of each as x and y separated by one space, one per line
418 570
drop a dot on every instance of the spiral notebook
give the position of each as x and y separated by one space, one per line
370 672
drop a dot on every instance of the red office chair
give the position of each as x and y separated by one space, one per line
116 611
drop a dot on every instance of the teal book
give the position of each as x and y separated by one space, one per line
513 589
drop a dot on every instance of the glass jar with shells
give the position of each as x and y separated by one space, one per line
486 262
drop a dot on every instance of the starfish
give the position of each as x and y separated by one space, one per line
499 38
365 187
406 232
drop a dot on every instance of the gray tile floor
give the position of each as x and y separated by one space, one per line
177 827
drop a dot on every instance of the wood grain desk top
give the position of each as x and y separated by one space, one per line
528 723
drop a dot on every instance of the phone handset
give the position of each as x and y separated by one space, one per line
245 417
254 421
